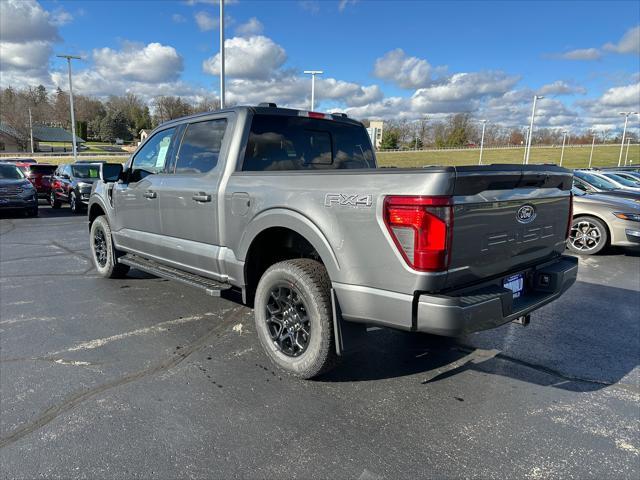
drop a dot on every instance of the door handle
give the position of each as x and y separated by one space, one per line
150 194
201 197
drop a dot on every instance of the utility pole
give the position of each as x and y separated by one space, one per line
624 131
593 142
626 156
533 114
73 115
31 130
222 102
313 74
564 138
484 124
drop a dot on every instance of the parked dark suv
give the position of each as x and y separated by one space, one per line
16 192
71 183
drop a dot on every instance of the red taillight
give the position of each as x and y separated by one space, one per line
570 219
421 228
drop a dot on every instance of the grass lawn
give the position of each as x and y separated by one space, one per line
574 157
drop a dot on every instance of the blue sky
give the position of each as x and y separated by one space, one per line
381 58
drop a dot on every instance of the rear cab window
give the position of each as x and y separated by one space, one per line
289 143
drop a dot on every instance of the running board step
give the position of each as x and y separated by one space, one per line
211 287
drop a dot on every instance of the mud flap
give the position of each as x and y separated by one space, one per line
347 334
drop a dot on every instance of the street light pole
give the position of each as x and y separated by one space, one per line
73 115
564 138
626 156
533 114
526 140
484 124
624 131
31 130
313 74
222 102
593 142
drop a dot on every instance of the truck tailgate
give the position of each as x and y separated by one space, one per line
507 217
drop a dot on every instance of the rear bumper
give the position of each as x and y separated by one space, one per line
16 203
491 305
459 312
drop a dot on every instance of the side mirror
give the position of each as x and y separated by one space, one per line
110 172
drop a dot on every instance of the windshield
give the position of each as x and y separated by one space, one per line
86 171
10 172
622 180
595 181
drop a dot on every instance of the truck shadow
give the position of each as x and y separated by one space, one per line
586 341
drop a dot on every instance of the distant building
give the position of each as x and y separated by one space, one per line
375 132
11 140
144 134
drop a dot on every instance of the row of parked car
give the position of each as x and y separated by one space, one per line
606 201
606 209
24 181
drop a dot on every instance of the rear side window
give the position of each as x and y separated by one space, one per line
200 146
278 142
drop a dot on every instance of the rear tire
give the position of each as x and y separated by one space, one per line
588 236
104 254
294 319
53 201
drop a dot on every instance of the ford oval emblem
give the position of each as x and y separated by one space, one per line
526 214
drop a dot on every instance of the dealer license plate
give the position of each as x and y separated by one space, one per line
515 283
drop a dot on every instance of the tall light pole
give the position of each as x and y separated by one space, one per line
31 129
484 124
313 74
222 54
624 131
526 140
533 114
626 155
593 142
564 139
73 115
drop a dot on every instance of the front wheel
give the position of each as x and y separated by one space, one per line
105 255
53 200
74 203
293 317
588 236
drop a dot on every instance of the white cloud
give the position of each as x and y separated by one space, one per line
626 96
580 54
407 72
178 18
251 58
144 63
60 17
342 4
205 21
629 43
252 27
27 35
560 87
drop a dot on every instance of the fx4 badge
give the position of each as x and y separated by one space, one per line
347 200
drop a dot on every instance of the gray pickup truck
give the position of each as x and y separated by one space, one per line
290 208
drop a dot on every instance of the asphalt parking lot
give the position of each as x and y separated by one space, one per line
141 378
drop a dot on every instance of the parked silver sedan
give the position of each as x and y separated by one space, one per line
600 220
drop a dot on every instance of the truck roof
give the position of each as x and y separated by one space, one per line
264 109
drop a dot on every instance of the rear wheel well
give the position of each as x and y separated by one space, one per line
95 212
271 246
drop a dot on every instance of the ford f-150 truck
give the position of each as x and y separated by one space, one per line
290 208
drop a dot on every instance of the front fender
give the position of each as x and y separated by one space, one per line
295 221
